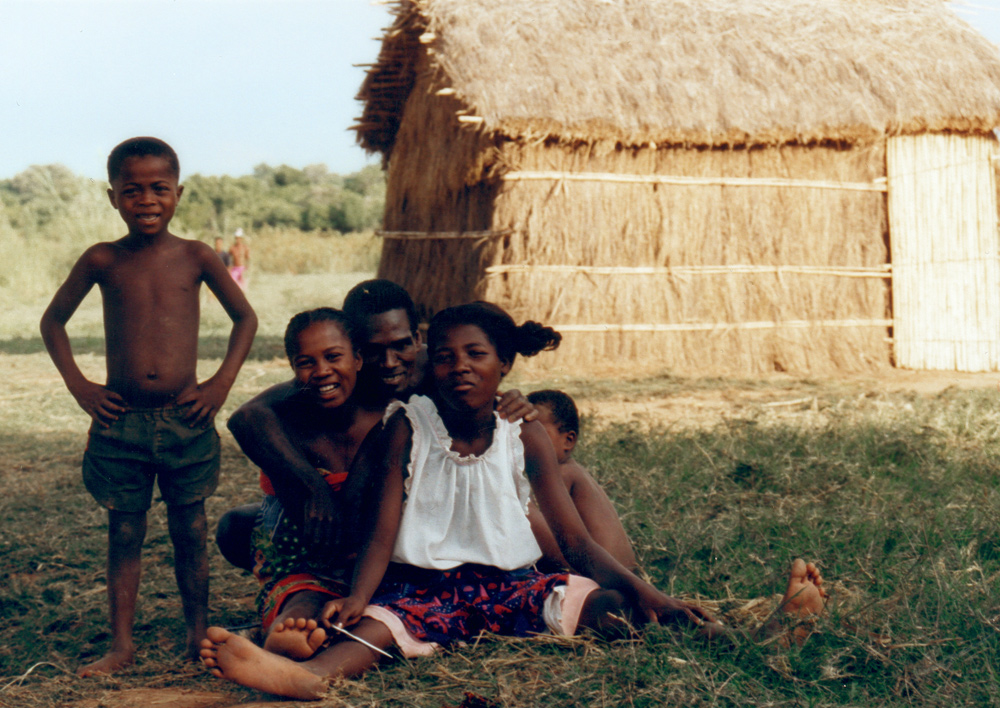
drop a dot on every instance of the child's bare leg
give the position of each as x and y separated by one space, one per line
805 598
295 632
189 533
126 532
237 659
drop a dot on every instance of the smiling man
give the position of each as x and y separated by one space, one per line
394 353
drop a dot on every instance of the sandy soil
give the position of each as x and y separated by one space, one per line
174 698
784 397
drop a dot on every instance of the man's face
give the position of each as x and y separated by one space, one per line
391 351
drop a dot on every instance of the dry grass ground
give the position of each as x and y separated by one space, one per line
889 483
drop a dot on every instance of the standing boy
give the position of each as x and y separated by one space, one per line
152 419
222 252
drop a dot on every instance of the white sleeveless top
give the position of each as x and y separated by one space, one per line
463 509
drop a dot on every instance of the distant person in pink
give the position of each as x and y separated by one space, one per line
239 254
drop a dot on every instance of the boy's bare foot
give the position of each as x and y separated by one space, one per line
295 638
237 659
114 660
805 598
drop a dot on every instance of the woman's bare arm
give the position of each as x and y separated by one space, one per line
374 559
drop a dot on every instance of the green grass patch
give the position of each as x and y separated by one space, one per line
895 496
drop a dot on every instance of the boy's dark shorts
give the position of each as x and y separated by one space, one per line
144 444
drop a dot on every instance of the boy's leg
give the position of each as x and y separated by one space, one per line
126 532
804 601
237 659
189 533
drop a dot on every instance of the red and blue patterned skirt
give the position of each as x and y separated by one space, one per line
444 606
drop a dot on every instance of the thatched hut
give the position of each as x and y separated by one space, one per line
728 185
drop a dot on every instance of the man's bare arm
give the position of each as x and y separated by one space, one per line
261 433
513 406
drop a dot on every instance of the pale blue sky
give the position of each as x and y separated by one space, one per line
229 83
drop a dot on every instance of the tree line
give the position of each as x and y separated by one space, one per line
311 199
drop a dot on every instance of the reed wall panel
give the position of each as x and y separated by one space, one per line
560 222
946 272
437 182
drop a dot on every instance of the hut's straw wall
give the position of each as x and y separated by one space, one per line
742 316
946 272
435 185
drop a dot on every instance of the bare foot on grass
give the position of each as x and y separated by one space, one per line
804 600
239 660
295 638
114 660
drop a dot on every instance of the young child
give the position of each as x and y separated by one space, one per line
152 418
558 415
453 523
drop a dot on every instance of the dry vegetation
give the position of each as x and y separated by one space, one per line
720 483
890 483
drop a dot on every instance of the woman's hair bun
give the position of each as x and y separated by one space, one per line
534 337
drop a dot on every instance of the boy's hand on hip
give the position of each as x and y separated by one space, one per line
101 403
204 402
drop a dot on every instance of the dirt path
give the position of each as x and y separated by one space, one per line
776 396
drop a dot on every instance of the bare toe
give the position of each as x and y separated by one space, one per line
295 638
241 661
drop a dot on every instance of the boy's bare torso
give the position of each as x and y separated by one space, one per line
151 316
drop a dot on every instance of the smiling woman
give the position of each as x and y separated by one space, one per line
323 357
298 573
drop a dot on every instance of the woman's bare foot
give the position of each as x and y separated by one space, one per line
804 599
114 660
295 638
237 659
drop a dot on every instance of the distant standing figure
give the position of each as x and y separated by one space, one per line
222 252
239 252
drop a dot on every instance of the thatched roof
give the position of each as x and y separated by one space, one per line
701 72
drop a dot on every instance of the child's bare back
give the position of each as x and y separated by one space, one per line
558 415
597 512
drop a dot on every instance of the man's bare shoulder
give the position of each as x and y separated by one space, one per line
275 398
